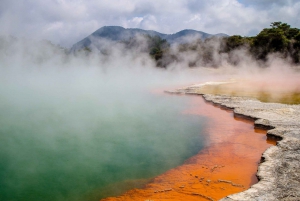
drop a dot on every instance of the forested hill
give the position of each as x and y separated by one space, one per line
197 49
280 38
119 34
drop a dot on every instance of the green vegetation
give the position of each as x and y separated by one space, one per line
280 38
157 46
236 41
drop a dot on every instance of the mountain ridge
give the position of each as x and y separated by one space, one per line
118 33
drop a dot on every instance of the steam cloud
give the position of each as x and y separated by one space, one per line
72 125
45 89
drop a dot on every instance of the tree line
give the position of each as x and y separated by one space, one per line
280 39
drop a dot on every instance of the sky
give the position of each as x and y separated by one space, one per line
66 22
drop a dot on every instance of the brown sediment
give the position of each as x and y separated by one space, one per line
265 92
227 165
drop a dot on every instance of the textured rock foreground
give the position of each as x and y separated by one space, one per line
279 172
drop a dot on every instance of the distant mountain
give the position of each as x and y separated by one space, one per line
117 33
187 34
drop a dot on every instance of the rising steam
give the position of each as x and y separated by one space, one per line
57 109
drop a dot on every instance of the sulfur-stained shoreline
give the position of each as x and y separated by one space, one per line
279 172
226 165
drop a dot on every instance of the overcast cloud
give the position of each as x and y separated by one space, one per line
65 22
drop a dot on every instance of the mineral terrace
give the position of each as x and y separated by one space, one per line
279 170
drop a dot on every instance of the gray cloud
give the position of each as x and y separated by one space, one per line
268 3
68 21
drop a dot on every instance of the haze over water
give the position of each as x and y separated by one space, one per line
73 134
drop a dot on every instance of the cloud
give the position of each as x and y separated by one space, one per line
67 21
149 22
268 3
196 17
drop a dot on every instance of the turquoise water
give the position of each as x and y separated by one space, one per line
85 140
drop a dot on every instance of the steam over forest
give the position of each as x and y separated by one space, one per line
280 39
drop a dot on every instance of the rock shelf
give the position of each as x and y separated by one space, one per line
279 170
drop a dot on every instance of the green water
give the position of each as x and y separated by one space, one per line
85 142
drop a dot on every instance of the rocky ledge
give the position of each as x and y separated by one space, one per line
279 170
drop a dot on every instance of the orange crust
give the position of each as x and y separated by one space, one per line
227 165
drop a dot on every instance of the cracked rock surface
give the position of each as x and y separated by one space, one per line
279 171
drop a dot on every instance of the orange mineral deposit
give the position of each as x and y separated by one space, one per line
227 165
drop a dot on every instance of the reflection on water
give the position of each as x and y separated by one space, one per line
80 144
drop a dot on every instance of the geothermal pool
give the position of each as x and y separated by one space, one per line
227 165
63 142
85 134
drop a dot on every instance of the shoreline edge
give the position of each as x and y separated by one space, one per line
279 172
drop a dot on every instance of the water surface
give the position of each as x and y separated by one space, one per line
85 139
